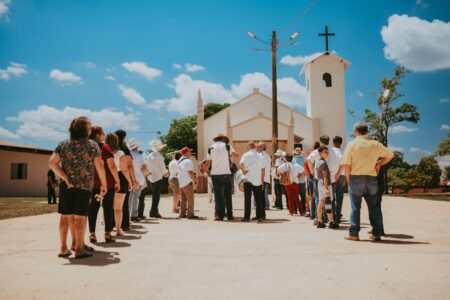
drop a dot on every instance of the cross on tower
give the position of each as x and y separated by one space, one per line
326 35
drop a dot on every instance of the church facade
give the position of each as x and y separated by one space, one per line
251 117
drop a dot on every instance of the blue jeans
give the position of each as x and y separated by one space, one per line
312 206
338 193
134 201
359 187
222 185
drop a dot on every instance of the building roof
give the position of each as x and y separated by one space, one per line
330 54
11 146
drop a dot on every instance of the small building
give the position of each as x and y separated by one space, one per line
23 170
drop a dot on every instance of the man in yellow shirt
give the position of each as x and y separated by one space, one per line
363 159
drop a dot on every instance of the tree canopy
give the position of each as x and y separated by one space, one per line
213 108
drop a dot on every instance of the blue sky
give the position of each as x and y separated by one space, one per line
128 60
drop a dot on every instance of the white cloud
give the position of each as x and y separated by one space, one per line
359 93
395 148
298 60
65 77
49 123
190 68
422 3
5 134
14 69
90 65
417 44
444 100
4 9
110 77
417 150
131 95
445 127
177 66
290 92
401 129
142 69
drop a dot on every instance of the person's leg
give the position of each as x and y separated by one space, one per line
141 207
134 202
373 205
63 230
183 202
266 195
302 192
190 200
218 187
285 195
312 205
296 199
227 193
289 192
340 187
316 197
54 196
356 188
320 208
156 194
93 212
247 200
118 215
108 211
49 195
259 201
278 194
126 212
79 225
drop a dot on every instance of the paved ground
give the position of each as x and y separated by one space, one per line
286 258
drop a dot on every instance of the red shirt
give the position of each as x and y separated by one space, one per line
106 153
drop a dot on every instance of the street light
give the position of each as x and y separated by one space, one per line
274 46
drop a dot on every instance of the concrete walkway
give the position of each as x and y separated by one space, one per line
285 258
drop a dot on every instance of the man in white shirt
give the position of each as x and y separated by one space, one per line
252 166
339 183
333 163
173 180
157 169
219 159
187 180
139 169
267 162
279 189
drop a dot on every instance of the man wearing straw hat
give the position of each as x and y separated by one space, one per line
140 169
157 170
187 181
279 154
219 158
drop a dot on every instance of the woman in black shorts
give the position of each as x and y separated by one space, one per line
124 177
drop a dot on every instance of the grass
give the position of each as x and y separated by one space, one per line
445 197
13 207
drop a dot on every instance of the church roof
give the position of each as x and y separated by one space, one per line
330 54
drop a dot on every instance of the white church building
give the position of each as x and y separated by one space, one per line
251 117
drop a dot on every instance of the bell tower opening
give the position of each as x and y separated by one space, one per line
326 77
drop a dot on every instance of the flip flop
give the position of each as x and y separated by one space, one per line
84 255
65 255
86 247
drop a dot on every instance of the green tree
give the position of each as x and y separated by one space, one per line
447 172
213 108
427 172
181 133
399 177
398 161
380 122
443 148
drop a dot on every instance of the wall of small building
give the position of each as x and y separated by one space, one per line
36 182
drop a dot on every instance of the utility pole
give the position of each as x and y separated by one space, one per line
274 95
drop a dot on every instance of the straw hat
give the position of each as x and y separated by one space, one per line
157 146
221 137
298 151
280 153
133 143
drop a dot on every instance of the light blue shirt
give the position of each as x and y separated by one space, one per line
299 160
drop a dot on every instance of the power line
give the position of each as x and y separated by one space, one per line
301 15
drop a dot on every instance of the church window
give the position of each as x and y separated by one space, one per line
327 79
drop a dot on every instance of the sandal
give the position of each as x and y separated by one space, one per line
86 248
109 239
65 255
84 255
93 238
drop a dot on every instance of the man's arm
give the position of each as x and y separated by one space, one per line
130 168
53 163
311 167
113 169
339 172
206 165
100 168
263 174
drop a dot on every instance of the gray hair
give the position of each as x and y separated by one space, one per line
361 128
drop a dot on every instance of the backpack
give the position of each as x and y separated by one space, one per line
286 177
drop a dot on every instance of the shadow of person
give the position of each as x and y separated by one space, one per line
116 244
128 237
147 221
399 236
136 226
397 242
273 221
170 218
136 231
198 219
99 259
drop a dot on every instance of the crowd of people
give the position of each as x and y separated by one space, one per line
103 169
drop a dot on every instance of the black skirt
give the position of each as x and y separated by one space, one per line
123 184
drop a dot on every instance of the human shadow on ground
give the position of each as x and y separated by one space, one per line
132 231
136 226
272 221
128 237
116 244
198 219
170 218
397 242
147 221
399 236
98 259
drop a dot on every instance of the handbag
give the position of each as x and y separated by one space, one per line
286 177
